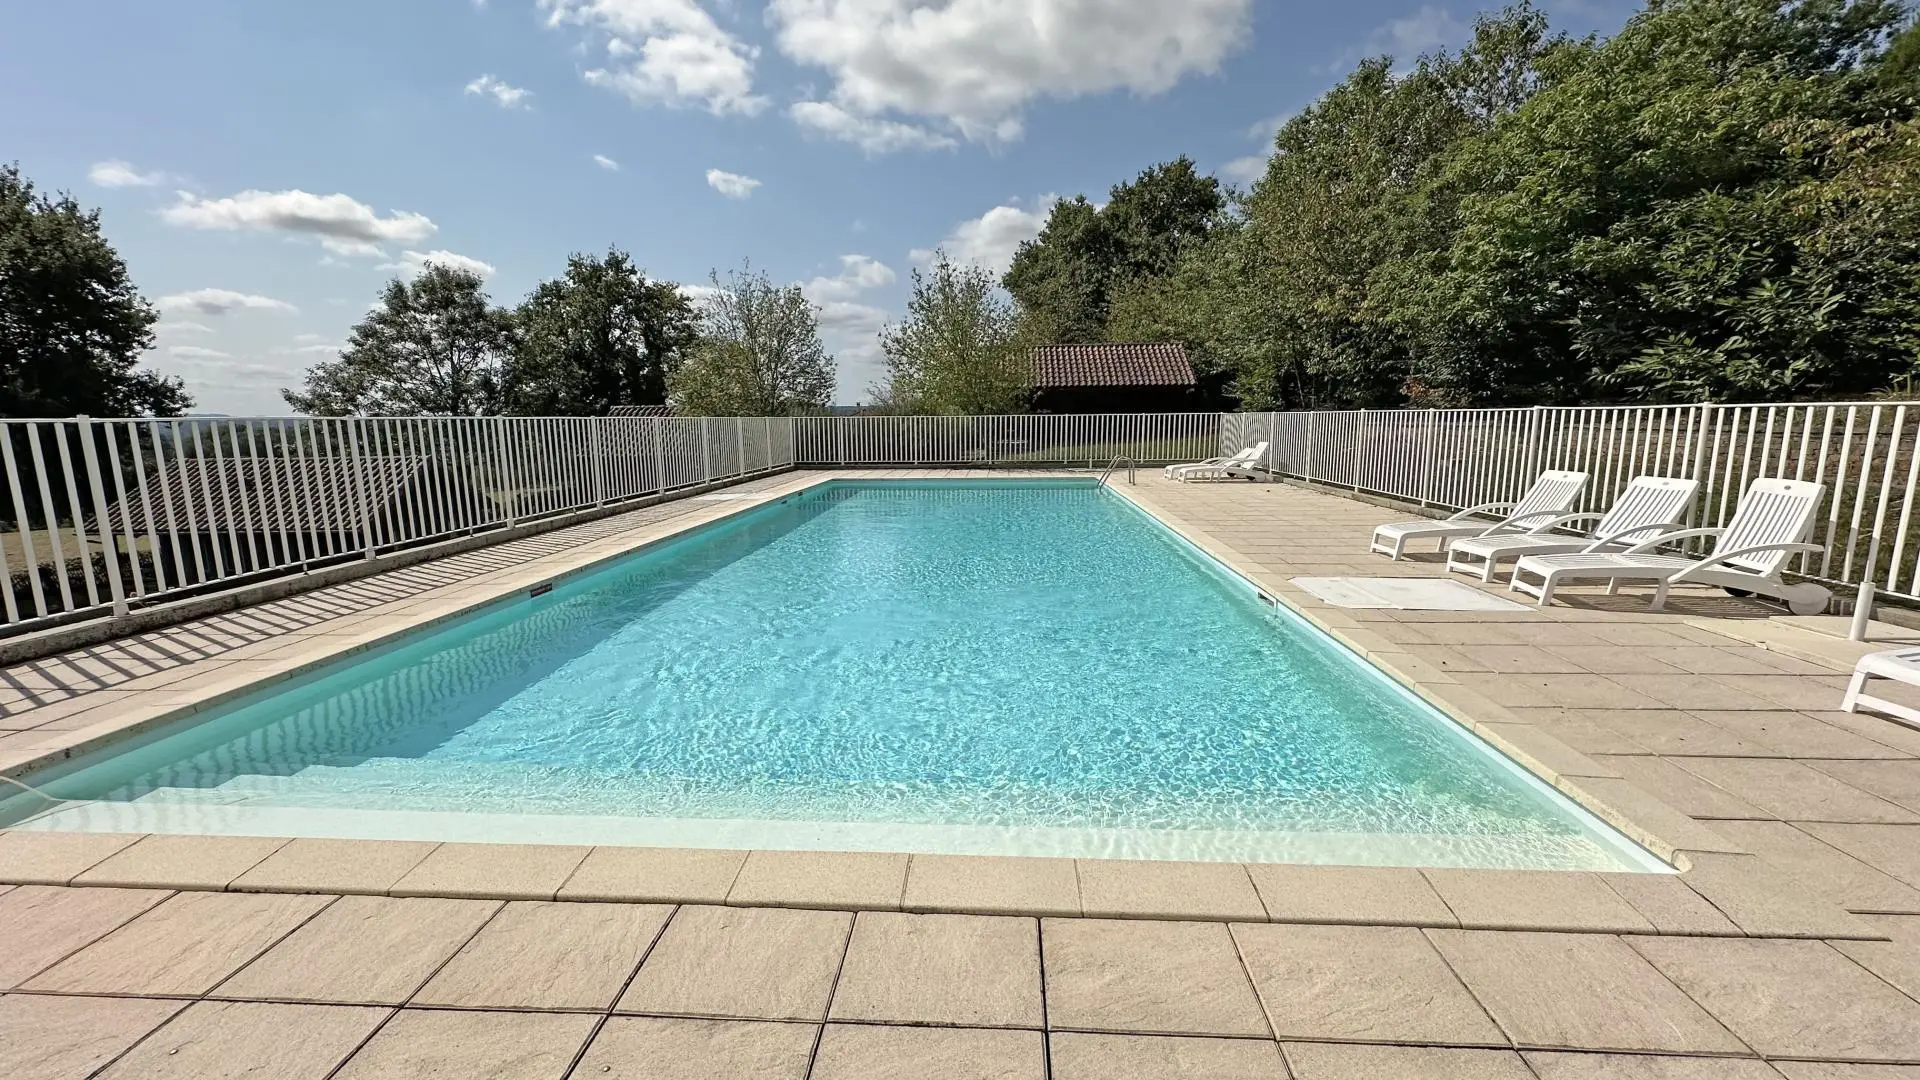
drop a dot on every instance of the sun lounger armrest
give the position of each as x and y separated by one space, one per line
1483 508
1645 546
1613 538
1717 559
1565 519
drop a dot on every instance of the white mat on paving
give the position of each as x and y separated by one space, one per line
1405 593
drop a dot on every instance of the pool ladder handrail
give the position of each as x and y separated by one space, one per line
1115 463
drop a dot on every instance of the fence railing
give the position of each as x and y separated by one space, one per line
1040 439
1864 453
103 514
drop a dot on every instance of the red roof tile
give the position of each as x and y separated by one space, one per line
1131 363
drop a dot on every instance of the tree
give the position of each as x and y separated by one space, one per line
433 346
599 336
758 353
72 325
958 350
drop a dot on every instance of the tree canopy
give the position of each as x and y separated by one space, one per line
72 325
600 335
758 352
958 350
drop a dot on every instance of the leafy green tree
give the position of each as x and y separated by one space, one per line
433 346
72 325
758 353
959 349
600 335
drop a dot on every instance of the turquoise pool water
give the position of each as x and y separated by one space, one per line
1027 668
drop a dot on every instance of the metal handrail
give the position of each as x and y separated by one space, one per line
1115 463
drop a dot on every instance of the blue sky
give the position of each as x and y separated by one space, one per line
265 167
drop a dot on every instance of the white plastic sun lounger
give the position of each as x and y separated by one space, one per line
1549 497
1651 504
1245 456
1900 665
1771 523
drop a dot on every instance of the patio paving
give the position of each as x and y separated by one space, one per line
1789 948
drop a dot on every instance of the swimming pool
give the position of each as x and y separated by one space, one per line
1015 667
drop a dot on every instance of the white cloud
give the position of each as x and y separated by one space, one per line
873 134
990 240
411 263
308 345
351 249
504 95
113 174
665 51
181 326
858 273
1245 170
606 163
732 185
221 301
195 352
976 64
344 224
1423 31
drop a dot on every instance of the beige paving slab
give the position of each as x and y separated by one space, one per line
1360 984
1792 998
58 1038
1084 1056
1680 789
1563 1066
1366 895
219 1040
1896 961
1170 978
861 1052
992 885
500 871
181 862
1893 850
539 955
1139 889
1666 901
1542 990
55 858
1674 732
1798 734
1644 819
471 1046
186 945
677 1048
309 864
44 923
954 970
1834 1070
1897 782
1347 1061
1764 901
1534 900
1822 868
749 963
659 875
1794 792
368 950
865 880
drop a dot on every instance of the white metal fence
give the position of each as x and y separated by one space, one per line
1863 452
1040 439
101 514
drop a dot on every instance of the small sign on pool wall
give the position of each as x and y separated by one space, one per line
541 589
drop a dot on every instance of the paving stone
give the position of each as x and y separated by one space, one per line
471 1046
501 871
660 875
959 970
1145 889
1346 1061
185 945
1798 735
308 864
1552 1066
860 1052
1169 978
217 1040
368 950
751 963
1534 900
181 862
1791 998
57 1038
1364 895
1360 983
44 923
672 1048
1644 819
1896 961
1670 905
1696 692
1822 868
1895 781
1793 792
1764 901
992 885
1893 850
55 858
1083 1056
1680 789
1542 989
1833 1070
537 955
1674 733
865 880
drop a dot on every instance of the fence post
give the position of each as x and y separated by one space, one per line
599 462
360 486
1359 440
1697 514
505 455
1535 426
706 452
112 554
660 451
